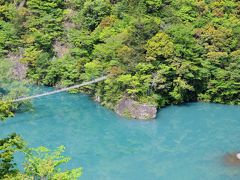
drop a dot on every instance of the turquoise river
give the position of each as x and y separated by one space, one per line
186 142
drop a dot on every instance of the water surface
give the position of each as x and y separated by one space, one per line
184 142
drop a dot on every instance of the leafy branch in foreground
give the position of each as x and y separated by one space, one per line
5 110
44 164
40 163
8 147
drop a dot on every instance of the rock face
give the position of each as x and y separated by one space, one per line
133 109
19 70
97 99
60 48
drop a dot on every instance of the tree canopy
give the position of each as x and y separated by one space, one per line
161 52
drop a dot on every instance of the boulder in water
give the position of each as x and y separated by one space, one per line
232 159
97 99
132 109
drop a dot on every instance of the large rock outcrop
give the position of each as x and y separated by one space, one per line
132 109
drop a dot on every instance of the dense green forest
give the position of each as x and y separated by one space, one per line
156 51
159 52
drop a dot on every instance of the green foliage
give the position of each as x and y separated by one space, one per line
8 147
93 69
153 5
42 163
7 37
37 61
65 71
159 46
43 24
160 52
10 88
5 110
93 12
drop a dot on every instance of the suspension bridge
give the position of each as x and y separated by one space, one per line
61 90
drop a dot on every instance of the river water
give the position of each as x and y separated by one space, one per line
186 142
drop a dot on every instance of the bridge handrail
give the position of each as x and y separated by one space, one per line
60 90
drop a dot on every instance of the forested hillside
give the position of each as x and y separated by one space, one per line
156 51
